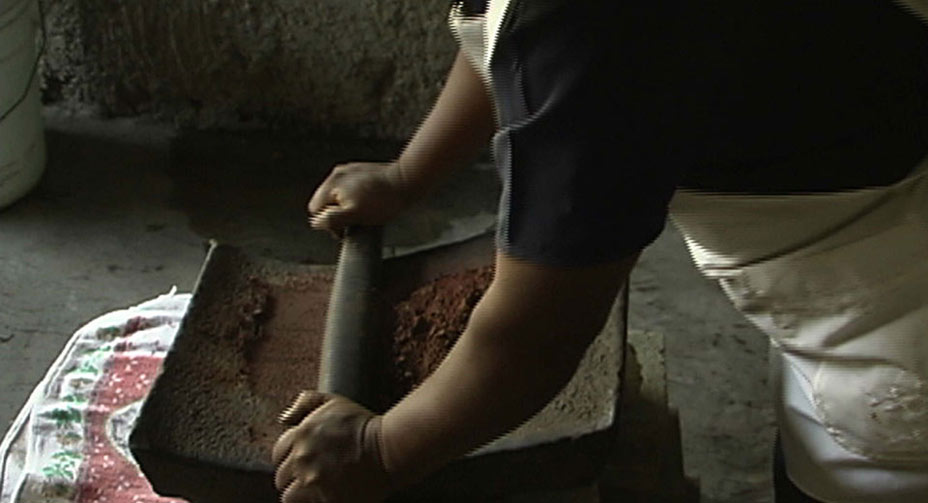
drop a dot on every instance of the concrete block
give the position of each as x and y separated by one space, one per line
646 463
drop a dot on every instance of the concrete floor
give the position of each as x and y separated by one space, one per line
126 208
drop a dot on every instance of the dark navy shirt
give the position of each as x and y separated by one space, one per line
606 107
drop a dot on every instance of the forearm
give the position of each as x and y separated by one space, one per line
479 392
459 126
522 344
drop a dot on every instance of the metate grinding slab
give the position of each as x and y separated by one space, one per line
251 340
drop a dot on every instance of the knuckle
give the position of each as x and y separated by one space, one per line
315 203
322 224
280 478
303 457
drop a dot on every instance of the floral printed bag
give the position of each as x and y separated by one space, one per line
70 441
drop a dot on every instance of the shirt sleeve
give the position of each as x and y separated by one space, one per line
585 177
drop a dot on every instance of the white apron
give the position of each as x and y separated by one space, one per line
839 282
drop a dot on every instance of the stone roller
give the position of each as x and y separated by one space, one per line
350 340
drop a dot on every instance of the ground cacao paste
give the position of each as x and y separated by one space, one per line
425 326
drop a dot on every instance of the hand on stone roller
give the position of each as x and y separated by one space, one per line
331 452
358 193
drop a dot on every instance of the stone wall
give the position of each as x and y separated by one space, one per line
368 68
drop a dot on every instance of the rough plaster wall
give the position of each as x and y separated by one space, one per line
370 68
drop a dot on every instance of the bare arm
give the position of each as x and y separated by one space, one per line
459 126
522 345
454 133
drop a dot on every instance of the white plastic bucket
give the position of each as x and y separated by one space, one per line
22 138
